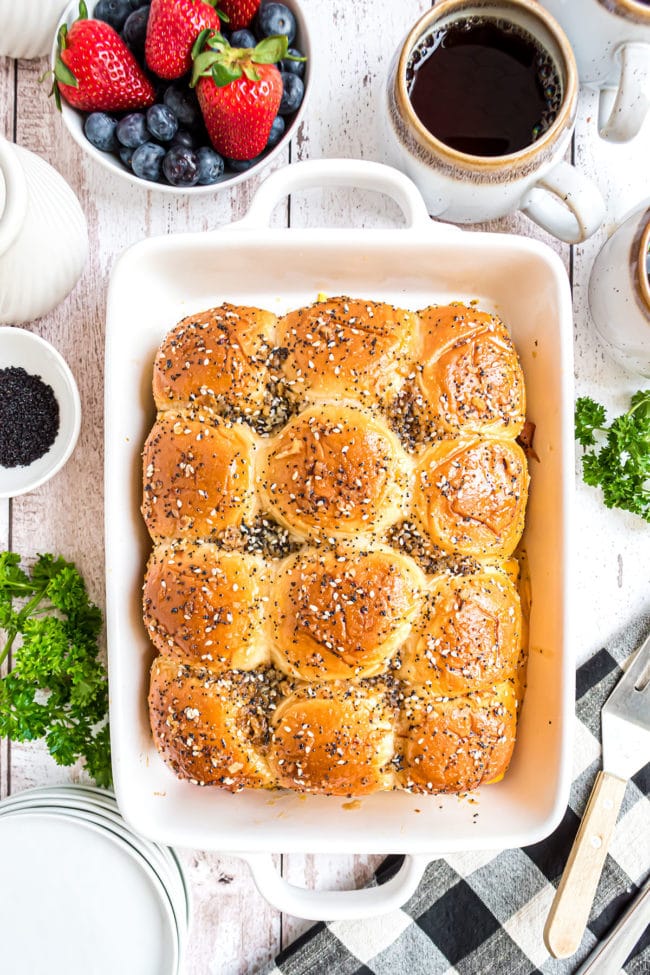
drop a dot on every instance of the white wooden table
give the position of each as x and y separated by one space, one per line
235 931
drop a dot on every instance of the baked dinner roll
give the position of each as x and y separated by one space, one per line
211 729
342 612
198 476
335 471
470 373
470 496
216 359
468 635
334 738
343 347
206 606
455 744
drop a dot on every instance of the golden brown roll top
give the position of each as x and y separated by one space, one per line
211 729
206 606
470 374
198 476
217 359
468 636
334 738
455 744
470 496
342 613
343 347
334 471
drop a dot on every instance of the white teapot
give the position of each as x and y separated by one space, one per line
43 236
27 27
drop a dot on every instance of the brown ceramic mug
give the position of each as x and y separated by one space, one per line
466 188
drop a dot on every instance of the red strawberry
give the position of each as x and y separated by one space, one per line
239 12
239 92
95 70
172 29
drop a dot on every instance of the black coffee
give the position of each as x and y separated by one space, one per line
484 87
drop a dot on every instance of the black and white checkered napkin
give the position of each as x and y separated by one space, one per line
483 914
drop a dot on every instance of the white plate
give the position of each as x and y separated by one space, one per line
93 902
157 282
103 811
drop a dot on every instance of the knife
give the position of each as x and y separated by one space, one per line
610 954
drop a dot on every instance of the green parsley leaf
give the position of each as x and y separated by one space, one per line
57 687
589 416
621 465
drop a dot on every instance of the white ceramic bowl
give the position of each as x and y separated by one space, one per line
21 348
74 119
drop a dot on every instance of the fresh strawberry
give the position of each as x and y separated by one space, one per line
239 12
171 32
95 70
239 91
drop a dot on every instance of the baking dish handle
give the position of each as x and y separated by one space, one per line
361 173
335 905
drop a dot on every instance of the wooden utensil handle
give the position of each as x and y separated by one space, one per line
571 905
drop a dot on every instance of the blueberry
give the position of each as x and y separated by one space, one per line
241 165
292 93
113 12
181 166
99 129
160 86
211 165
162 123
277 131
135 29
295 67
147 161
184 138
132 130
136 4
126 155
276 18
184 105
242 38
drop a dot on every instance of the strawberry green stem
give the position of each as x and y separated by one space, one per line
226 64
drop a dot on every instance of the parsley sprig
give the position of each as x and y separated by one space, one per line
619 462
57 687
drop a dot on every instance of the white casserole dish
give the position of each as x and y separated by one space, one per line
160 280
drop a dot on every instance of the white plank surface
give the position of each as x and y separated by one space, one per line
234 930
613 581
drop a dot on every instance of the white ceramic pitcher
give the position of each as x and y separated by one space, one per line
611 43
43 236
619 293
27 27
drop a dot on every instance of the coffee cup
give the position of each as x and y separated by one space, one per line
619 293
611 42
491 164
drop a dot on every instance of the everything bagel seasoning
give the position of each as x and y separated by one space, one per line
29 417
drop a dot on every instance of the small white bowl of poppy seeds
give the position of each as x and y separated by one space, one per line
40 411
